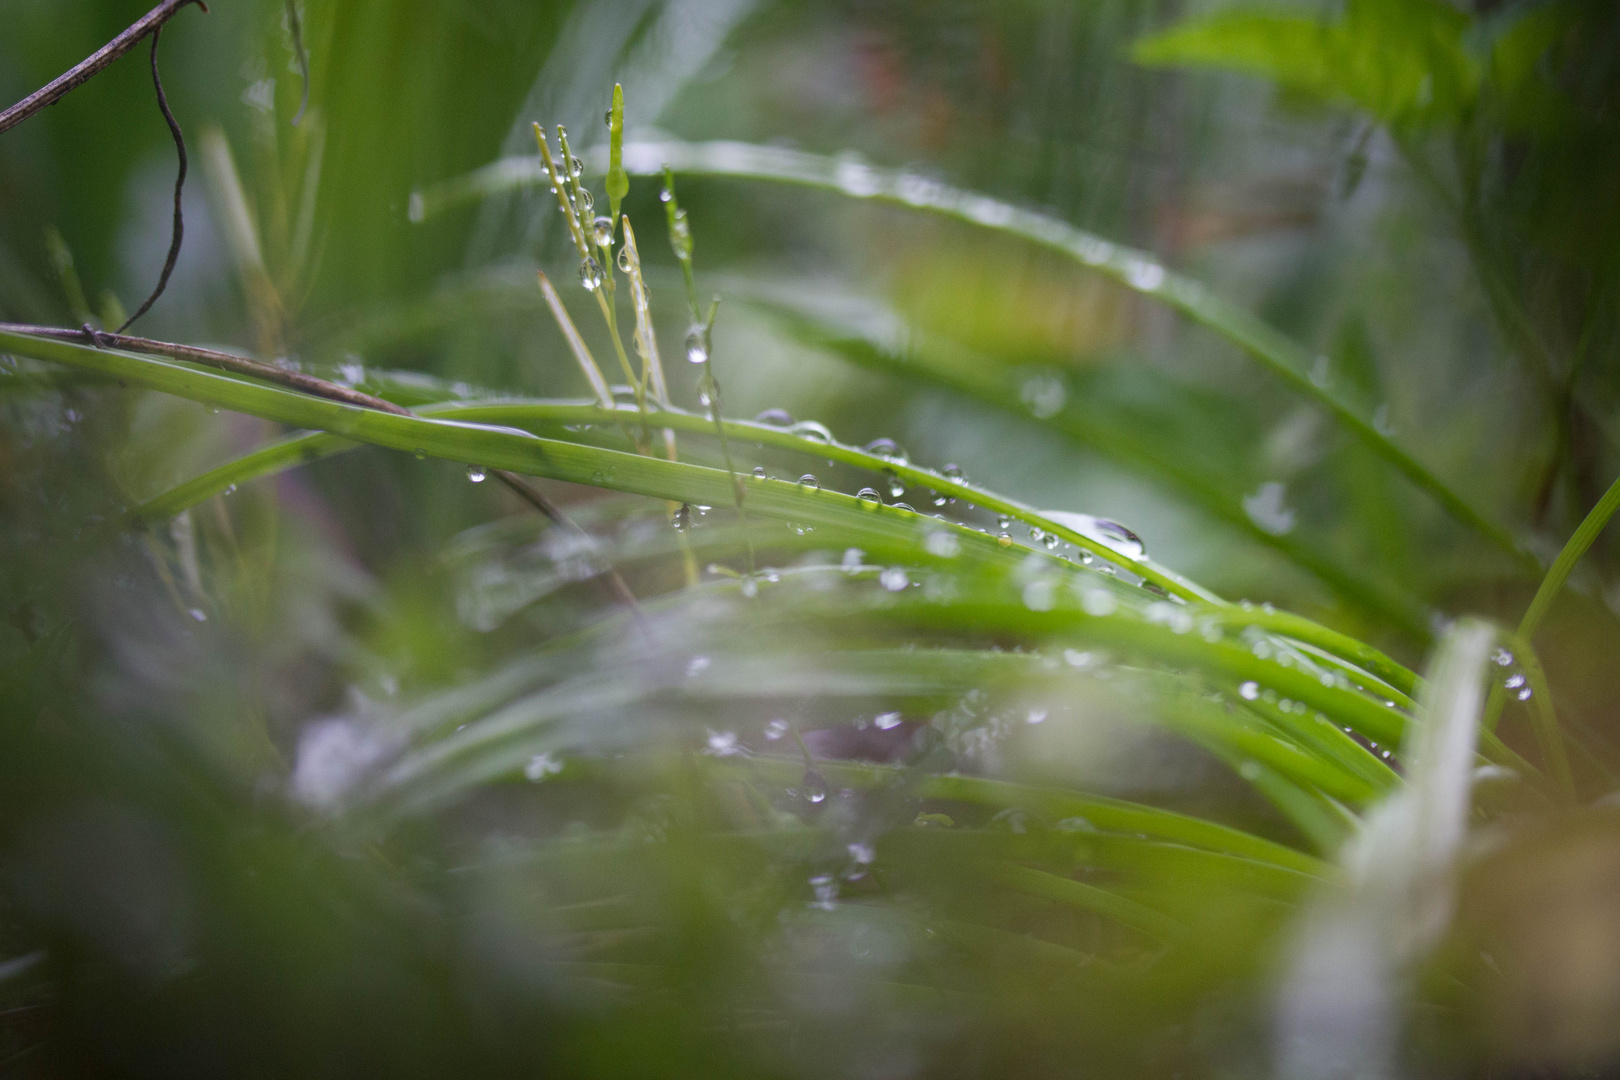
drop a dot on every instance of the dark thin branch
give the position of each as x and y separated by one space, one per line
309 384
81 73
295 28
179 188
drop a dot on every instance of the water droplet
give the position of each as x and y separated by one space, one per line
894 578
869 497
943 545
810 482
682 518
624 258
887 449
680 236
1249 690
852 560
1098 602
421 454
1122 539
954 474
590 274
475 474
775 418
723 743
1502 658
1051 540
1144 275
1525 693
602 231
1077 659
576 167
1005 540
1380 421
809 429
776 729
814 786
759 472
1514 682
198 614
824 885
896 488
541 766
697 345
1250 770
1321 371
1040 595
1004 522
585 203
1044 396
904 506
886 722
697 666
665 195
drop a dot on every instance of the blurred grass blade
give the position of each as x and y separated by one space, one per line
1585 536
1347 979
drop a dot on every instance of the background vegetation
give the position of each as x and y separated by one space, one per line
1283 741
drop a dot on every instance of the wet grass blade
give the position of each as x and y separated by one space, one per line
1135 270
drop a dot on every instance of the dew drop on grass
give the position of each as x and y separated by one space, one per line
590 274
586 203
1040 595
775 418
1502 658
814 786
1144 275
665 195
1005 540
723 743
894 578
954 474
809 482
887 449
825 886
1249 690
624 259
1051 541
697 666
697 345
942 544
886 722
759 472
680 236
869 498
576 167
904 506
475 474
602 231
809 429
1514 681
199 614
896 488
1524 693
776 729
541 766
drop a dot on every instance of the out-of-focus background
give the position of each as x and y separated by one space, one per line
1424 196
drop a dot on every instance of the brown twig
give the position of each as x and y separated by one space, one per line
309 384
179 189
79 74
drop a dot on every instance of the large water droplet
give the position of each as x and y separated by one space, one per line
585 202
590 274
887 449
896 488
1110 534
814 786
1249 690
602 231
697 345
894 578
475 474
680 236
759 472
869 498
624 260
809 481
775 418
812 431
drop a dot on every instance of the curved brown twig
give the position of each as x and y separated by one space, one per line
179 189
83 72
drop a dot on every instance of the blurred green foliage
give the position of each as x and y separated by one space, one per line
335 759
